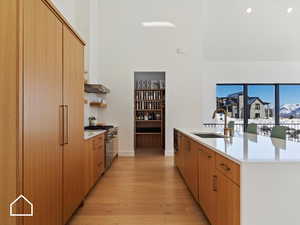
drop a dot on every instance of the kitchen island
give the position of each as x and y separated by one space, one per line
247 179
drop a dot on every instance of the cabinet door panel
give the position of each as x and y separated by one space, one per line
179 156
98 157
186 146
8 109
73 156
228 201
88 166
42 98
191 166
207 191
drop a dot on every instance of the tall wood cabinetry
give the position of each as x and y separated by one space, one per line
42 153
43 73
9 109
73 154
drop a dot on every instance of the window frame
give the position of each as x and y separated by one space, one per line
257 106
246 104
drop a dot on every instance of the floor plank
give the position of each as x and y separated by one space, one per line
145 190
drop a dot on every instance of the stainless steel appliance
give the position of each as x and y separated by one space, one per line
110 138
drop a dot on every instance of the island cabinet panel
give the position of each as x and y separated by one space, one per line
42 168
191 166
228 201
212 179
207 182
179 155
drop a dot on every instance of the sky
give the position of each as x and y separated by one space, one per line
289 94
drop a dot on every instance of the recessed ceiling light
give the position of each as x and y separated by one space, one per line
158 24
249 10
289 10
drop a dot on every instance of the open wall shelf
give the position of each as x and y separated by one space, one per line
98 104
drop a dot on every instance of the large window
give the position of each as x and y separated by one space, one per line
289 104
230 98
263 104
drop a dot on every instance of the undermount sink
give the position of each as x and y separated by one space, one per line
209 135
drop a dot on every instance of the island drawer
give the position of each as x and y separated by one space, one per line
209 153
229 168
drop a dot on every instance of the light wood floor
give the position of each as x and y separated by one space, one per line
149 152
145 190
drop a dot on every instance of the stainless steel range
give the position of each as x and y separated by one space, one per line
111 143
110 146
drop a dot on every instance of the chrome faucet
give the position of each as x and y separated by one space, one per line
227 131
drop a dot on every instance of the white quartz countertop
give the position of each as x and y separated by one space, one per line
92 133
248 148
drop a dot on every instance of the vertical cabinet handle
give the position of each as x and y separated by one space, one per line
66 124
61 125
215 183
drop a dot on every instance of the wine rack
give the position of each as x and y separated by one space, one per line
149 118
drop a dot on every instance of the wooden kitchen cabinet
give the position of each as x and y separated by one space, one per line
88 165
179 155
185 148
228 168
42 151
41 64
228 201
94 163
73 171
10 117
191 166
212 179
207 182
98 157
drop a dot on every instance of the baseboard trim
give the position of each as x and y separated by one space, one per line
126 154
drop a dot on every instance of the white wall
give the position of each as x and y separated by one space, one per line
68 9
260 47
221 43
83 16
126 47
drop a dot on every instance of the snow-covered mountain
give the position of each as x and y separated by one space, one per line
290 110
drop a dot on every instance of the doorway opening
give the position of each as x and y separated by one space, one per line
149 113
